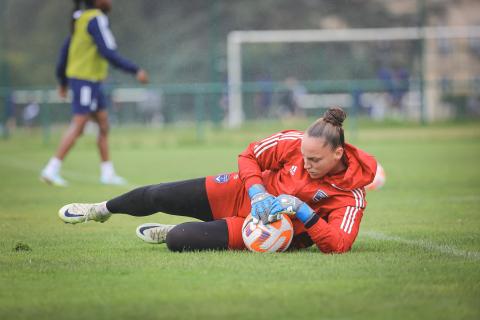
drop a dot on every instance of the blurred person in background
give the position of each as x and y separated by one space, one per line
82 67
396 82
315 173
30 114
291 99
264 96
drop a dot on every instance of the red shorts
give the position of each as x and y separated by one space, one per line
229 200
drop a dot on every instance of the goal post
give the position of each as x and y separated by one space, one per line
237 38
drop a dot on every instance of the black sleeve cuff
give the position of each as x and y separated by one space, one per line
312 221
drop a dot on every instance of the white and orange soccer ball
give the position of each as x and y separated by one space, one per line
272 237
379 180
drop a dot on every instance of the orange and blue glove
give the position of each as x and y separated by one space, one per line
262 203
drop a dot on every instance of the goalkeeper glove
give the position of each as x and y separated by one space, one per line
292 206
261 202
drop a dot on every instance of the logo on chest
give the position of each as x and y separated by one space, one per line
319 195
292 171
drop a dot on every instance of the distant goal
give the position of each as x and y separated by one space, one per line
427 96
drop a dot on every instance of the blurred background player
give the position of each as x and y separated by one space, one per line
323 176
82 66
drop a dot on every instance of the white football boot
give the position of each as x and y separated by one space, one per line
53 178
83 212
154 232
113 179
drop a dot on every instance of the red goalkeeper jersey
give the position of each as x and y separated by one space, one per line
339 200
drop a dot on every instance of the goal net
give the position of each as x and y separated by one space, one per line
421 74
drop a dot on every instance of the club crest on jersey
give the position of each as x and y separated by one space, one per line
293 169
222 178
319 195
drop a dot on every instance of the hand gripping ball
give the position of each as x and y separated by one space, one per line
272 237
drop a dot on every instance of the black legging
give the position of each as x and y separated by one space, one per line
182 198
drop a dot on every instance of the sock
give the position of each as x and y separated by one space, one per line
107 169
54 165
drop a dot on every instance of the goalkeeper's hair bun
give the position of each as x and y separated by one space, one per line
335 116
329 127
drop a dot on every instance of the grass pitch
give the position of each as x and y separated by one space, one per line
417 255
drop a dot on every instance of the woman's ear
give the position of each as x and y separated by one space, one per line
338 153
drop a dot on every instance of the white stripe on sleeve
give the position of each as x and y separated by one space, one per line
273 141
345 217
355 195
349 230
265 148
266 141
275 137
106 33
349 220
351 214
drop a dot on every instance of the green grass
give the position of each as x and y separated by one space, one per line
417 255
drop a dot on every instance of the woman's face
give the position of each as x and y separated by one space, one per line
318 157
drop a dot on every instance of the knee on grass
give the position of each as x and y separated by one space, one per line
198 236
180 238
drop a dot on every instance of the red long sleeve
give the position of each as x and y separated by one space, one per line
267 154
338 234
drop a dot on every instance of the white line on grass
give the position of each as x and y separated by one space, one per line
440 248
35 168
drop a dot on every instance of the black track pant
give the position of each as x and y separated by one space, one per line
183 198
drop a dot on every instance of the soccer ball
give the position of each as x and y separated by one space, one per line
379 179
272 237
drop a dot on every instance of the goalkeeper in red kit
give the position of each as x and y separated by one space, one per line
315 173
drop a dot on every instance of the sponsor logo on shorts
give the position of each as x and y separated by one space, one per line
222 178
319 195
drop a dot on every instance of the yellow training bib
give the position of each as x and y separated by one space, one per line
84 61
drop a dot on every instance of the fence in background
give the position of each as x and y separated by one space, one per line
197 104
